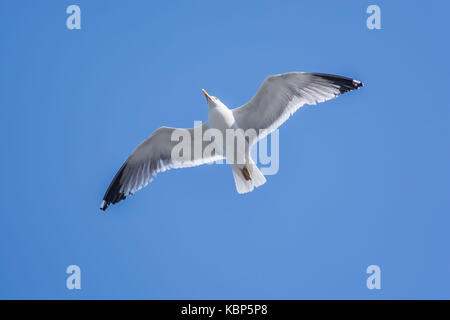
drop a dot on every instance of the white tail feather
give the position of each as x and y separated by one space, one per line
256 178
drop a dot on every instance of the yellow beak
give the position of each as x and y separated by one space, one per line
206 94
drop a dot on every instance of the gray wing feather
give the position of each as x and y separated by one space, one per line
281 95
152 156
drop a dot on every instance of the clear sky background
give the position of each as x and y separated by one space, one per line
364 179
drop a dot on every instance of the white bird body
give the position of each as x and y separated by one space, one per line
246 174
276 100
220 117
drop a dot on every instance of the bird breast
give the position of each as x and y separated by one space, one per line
221 118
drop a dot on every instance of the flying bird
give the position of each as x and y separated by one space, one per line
277 99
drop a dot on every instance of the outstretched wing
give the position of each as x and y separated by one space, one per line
154 155
281 95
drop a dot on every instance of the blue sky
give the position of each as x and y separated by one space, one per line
364 179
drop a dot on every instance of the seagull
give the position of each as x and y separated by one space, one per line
277 99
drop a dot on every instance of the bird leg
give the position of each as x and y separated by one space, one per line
246 173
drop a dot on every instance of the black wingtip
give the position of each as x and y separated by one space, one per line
358 84
104 205
114 193
343 83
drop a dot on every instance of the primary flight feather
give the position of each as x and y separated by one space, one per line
276 100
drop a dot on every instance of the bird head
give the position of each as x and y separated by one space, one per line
212 101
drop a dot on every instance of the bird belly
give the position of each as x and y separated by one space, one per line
223 120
